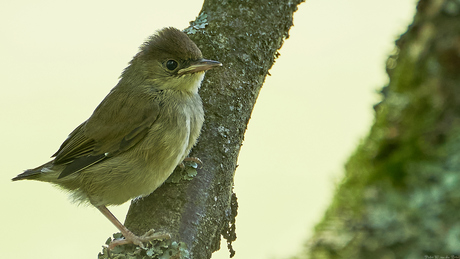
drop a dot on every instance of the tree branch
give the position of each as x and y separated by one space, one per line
245 36
400 194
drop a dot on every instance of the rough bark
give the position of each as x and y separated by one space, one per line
245 36
400 196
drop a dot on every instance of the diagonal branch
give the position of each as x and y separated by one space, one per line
245 36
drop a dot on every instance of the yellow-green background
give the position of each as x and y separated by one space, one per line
58 59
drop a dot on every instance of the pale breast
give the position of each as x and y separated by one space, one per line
145 167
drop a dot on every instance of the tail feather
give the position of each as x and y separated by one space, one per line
33 174
28 174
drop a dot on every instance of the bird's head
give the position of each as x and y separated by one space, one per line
170 60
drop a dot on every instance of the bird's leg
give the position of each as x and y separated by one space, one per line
130 238
191 159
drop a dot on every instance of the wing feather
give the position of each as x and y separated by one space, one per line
115 126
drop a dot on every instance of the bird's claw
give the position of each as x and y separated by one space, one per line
130 238
191 159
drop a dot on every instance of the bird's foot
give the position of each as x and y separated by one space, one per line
130 238
191 159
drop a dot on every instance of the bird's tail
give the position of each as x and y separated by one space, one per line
34 174
28 175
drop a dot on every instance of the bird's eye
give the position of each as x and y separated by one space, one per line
171 64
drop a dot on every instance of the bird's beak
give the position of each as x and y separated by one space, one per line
199 65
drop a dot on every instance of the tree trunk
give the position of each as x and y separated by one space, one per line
400 196
245 36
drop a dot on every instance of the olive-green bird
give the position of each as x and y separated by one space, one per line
138 134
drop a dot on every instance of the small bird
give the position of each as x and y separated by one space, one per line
138 134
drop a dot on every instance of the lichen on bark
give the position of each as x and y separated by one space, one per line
399 197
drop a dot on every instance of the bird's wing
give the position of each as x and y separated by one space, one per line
114 127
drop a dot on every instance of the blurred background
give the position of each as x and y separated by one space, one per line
59 59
